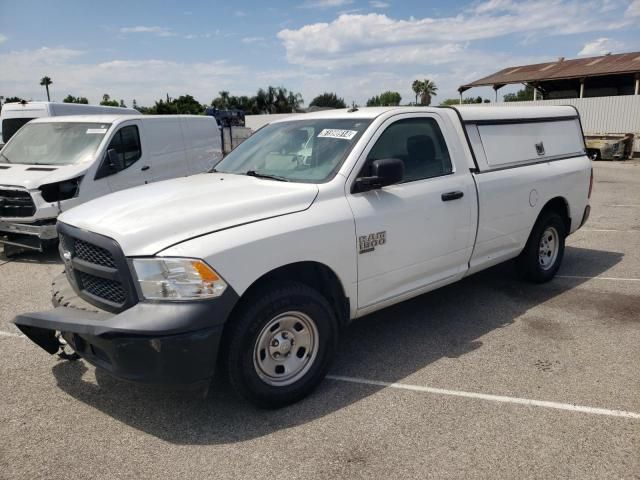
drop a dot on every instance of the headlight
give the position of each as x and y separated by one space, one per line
177 279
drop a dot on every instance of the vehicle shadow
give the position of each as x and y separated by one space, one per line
49 257
388 345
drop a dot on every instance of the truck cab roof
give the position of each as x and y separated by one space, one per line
467 112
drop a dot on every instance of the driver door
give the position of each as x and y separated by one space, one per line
126 141
413 234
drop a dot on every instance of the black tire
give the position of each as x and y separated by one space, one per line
248 326
529 264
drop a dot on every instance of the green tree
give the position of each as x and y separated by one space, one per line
429 89
416 86
520 96
327 99
385 99
465 101
72 99
13 100
187 105
222 101
107 102
269 100
45 82
183 105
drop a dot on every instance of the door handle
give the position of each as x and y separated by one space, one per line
447 197
145 168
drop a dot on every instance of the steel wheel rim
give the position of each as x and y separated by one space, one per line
548 248
286 348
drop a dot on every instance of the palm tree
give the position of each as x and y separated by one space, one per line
45 82
429 89
416 86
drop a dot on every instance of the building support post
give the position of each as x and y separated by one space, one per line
460 102
535 94
637 89
497 87
582 88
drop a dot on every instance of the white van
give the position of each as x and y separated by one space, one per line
52 164
15 114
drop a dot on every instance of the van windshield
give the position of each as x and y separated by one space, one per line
308 151
55 143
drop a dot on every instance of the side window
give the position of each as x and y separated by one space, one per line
126 142
419 143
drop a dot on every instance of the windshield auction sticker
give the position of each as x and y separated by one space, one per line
96 130
335 133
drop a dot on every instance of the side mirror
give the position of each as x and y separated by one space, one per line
385 171
116 163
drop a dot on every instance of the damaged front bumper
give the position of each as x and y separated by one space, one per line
161 343
28 235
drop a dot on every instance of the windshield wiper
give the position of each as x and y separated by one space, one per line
5 157
253 173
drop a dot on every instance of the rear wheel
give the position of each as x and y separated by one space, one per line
542 255
280 345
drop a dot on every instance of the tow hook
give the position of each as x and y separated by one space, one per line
66 352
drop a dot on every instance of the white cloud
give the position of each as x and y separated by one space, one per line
160 31
633 9
144 80
356 39
326 3
239 13
3 38
249 40
378 4
601 46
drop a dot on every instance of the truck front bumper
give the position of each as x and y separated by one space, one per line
161 343
27 235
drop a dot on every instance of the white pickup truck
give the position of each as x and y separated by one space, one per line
313 221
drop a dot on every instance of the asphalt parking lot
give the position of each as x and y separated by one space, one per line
487 378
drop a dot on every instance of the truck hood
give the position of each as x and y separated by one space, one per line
33 176
145 220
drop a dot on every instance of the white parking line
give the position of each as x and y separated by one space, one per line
621 205
493 398
608 230
615 279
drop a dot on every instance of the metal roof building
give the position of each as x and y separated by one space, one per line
607 75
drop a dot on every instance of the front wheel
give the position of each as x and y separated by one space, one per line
542 255
280 345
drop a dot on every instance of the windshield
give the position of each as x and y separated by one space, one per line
299 151
54 143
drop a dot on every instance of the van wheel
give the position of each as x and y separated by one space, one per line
280 346
542 255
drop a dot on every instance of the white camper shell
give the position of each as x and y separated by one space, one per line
15 114
53 164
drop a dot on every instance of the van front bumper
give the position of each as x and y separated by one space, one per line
160 343
27 235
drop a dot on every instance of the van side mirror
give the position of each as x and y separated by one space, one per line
116 163
385 171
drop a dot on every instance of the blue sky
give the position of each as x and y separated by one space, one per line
357 48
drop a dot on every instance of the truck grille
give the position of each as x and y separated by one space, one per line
94 254
97 269
16 203
103 288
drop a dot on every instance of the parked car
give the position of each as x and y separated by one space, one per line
260 264
53 164
15 114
